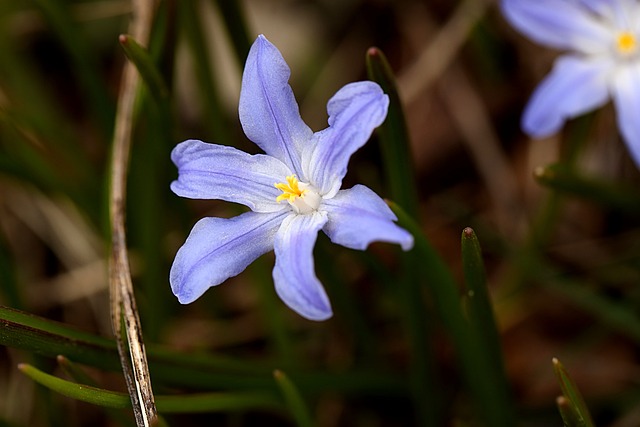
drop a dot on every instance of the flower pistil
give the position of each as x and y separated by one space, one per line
301 196
627 43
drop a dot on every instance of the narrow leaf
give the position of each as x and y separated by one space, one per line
570 416
295 402
199 402
85 393
234 20
150 74
572 394
607 194
393 135
204 371
476 365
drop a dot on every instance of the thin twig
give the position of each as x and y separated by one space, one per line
124 314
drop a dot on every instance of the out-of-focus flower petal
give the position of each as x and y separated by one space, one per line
574 86
295 280
562 24
268 110
358 216
219 248
626 97
211 171
354 112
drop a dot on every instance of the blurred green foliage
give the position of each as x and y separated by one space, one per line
443 335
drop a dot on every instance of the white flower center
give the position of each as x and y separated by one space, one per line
302 197
627 43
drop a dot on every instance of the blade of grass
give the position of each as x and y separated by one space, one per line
203 371
150 74
393 136
233 17
570 416
609 195
84 62
482 321
201 402
395 148
474 360
213 113
572 394
294 400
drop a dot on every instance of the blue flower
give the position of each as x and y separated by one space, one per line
602 38
293 190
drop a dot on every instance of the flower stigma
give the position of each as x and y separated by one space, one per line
627 43
302 197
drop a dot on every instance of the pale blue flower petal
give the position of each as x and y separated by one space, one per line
354 112
626 97
295 280
358 216
218 249
562 24
574 87
620 13
211 171
268 110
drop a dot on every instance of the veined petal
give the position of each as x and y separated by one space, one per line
219 248
295 280
626 97
562 24
211 171
574 86
358 216
354 112
268 110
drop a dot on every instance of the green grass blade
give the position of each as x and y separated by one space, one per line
572 394
233 17
84 61
84 393
294 400
474 361
393 136
145 66
570 417
482 320
213 113
200 371
200 402
607 194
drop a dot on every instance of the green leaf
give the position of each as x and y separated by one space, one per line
200 402
476 365
204 371
213 114
482 320
295 402
574 398
570 416
607 194
233 18
145 66
84 61
85 393
394 137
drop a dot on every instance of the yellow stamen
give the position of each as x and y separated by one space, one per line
627 42
290 190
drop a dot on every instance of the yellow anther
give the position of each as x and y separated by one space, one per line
290 189
627 42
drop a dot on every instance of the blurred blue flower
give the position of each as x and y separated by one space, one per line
603 40
293 190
